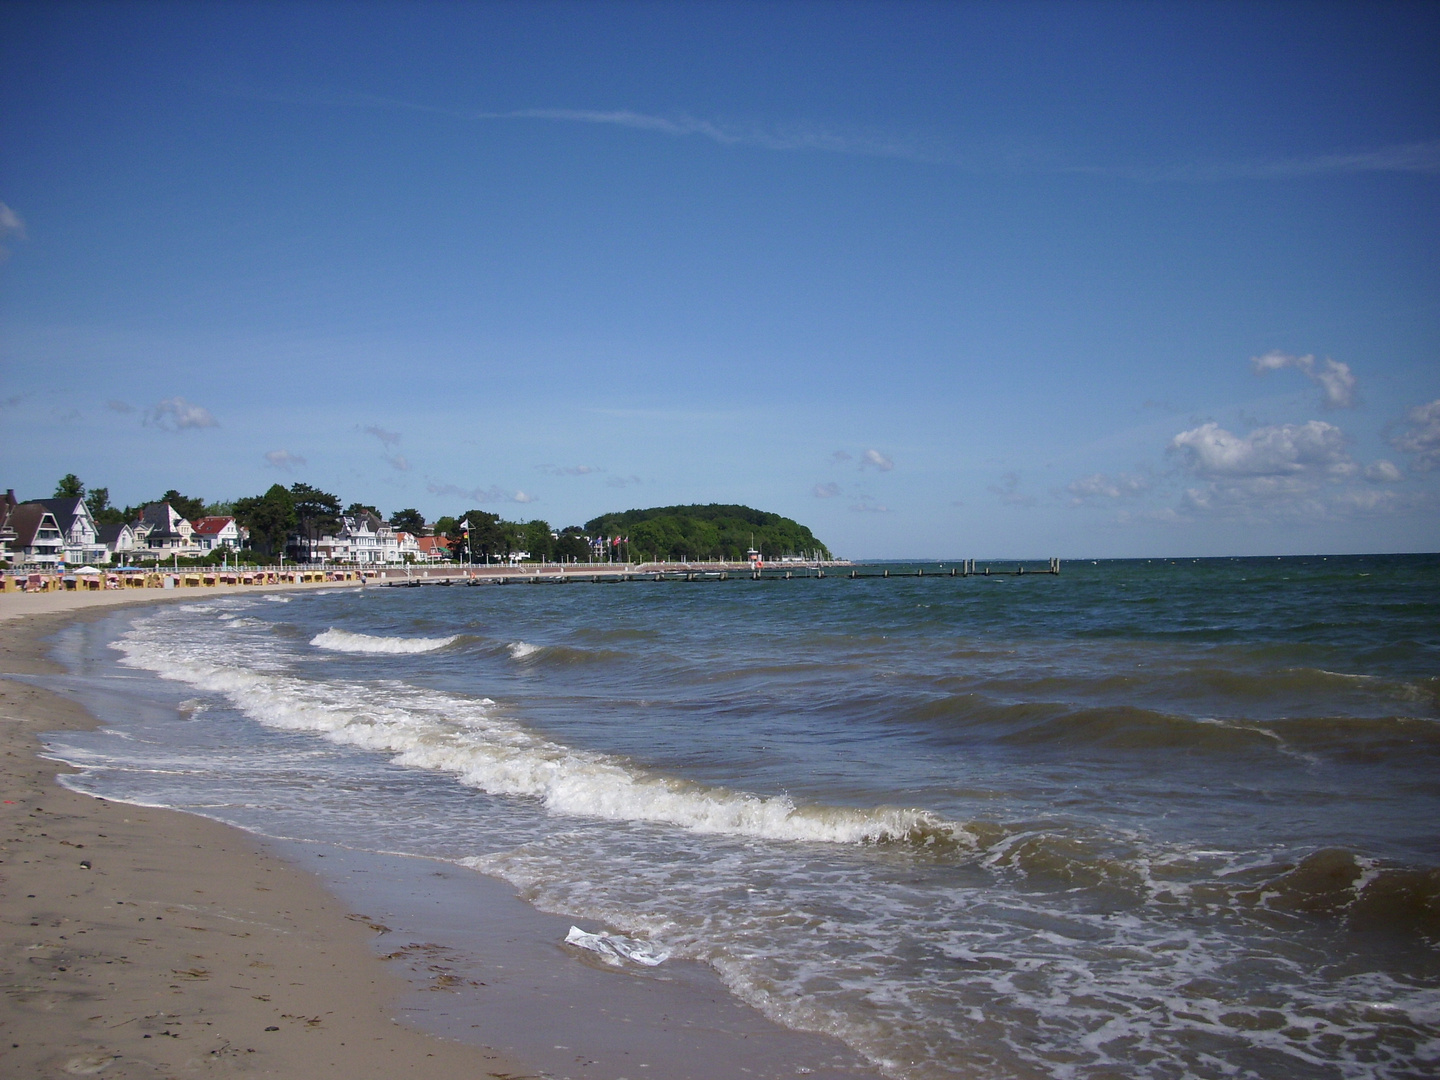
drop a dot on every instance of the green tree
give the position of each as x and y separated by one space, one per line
479 536
69 487
188 508
269 517
571 544
444 526
355 509
317 513
97 502
410 520
712 531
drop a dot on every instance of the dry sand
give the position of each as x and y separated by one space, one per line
138 943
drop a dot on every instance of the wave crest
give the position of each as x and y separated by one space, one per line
348 641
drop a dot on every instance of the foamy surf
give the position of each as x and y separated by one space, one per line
459 736
347 641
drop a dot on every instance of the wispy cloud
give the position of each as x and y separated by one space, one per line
1337 382
388 439
177 414
825 491
807 135
868 505
1418 157
622 481
283 459
1422 437
119 406
569 470
1008 490
874 459
492 494
398 462
1100 488
10 225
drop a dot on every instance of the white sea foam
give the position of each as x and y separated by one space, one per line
521 650
347 641
457 735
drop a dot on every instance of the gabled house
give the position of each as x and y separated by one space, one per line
431 548
217 532
7 531
117 539
38 541
162 530
363 538
77 526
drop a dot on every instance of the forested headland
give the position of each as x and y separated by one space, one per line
711 531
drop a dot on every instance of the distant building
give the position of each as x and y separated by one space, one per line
117 539
217 532
432 548
7 531
37 540
81 535
365 539
164 532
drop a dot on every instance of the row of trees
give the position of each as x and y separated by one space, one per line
712 531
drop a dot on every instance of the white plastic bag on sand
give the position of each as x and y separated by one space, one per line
615 948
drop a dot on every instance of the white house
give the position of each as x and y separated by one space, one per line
216 532
78 528
117 539
164 532
363 538
37 540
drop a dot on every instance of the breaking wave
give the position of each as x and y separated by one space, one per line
463 737
347 641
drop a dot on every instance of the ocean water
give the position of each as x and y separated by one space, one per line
1143 819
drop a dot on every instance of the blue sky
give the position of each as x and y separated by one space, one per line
997 280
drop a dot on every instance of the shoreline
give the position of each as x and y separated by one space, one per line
151 942
273 970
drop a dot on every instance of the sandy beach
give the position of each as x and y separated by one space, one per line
139 943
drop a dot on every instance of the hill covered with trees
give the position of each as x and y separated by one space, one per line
712 531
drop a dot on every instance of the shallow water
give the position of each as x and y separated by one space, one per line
1145 818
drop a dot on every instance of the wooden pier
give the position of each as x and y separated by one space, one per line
591 574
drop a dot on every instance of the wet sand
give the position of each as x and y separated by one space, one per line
140 943
186 947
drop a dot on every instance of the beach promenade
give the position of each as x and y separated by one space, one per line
140 943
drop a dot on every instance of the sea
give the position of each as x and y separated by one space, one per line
1144 818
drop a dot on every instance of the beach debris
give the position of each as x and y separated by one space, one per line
614 948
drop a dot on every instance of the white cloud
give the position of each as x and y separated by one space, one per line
283 459
1422 439
1337 382
1098 486
826 491
841 455
1283 450
1286 472
875 459
398 462
569 470
177 414
1382 472
622 481
119 406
